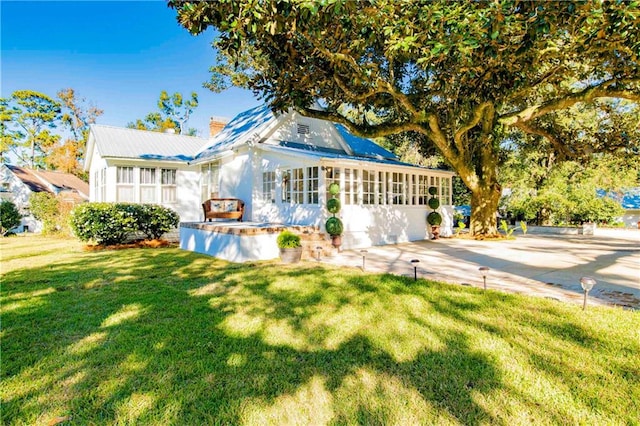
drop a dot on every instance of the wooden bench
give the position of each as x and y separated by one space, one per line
223 208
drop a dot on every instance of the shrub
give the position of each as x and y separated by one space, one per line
9 216
104 223
333 205
334 226
44 207
434 203
288 239
108 223
434 219
154 221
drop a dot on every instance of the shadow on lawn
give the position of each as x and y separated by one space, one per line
173 337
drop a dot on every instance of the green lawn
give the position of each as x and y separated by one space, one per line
164 336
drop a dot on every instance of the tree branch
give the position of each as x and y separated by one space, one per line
602 90
365 131
477 116
561 148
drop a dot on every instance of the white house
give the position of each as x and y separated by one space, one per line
18 183
280 166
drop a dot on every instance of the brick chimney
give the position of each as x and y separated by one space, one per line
216 124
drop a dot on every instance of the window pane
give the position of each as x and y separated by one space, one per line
147 176
124 175
168 194
312 185
269 187
124 194
147 194
168 176
298 186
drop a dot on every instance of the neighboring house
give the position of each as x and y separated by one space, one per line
280 166
18 183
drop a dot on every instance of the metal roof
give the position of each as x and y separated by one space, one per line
143 144
239 130
321 154
253 122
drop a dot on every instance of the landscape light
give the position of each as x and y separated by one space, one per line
364 255
587 284
415 262
484 270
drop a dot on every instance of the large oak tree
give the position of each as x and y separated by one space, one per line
463 74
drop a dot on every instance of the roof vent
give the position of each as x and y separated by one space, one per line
303 129
171 131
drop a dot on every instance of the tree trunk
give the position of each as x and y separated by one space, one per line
484 206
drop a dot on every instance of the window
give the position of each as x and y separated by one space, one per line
332 174
381 188
125 175
286 186
209 181
147 185
103 184
397 188
124 186
269 187
348 186
435 181
312 185
445 191
423 190
168 182
96 185
368 187
297 186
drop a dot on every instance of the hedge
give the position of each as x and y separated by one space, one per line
109 223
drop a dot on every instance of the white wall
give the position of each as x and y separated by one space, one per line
631 218
187 204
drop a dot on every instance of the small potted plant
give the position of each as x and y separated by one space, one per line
290 247
334 225
434 219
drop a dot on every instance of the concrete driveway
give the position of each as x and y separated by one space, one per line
541 265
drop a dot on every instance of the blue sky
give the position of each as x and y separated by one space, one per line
118 55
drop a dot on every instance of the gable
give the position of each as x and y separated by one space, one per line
242 128
292 131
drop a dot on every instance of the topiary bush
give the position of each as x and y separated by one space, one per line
154 220
434 219
333 205
334 226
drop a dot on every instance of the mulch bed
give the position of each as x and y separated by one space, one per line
130 245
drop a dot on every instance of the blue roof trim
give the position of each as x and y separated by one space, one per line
166 158
306 147
364 147
337 156
243 124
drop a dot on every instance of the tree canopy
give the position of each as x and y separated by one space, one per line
173 113
463 74
46 132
